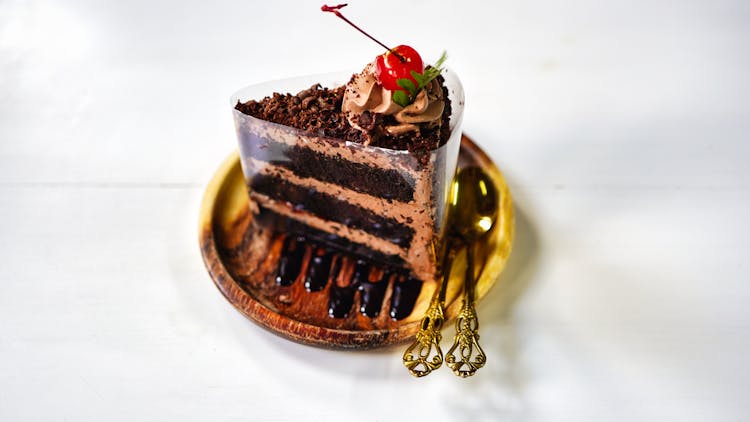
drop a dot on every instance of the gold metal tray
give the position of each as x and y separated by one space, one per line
299 315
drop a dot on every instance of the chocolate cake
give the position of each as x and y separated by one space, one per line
346 169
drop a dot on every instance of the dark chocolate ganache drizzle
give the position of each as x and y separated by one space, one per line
347 276
290 262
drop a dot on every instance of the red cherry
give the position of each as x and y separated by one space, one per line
397 64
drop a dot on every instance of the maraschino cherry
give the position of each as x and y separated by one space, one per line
397 63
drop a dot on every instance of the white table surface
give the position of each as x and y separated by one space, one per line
623 128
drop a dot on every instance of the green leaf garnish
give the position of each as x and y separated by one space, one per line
401 98
418 77
408 85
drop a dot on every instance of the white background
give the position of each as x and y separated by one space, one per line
623 128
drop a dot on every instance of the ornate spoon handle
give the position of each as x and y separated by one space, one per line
467 329
424 355
420 358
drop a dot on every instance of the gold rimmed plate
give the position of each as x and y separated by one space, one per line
231 249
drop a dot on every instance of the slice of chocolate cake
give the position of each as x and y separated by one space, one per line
349 168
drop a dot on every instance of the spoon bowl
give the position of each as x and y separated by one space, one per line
473 206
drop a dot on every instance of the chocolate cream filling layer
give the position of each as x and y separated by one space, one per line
399 160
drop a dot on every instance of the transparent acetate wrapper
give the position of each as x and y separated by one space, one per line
386 206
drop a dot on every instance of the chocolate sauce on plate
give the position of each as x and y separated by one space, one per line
349 276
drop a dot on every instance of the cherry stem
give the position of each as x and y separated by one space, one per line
335 11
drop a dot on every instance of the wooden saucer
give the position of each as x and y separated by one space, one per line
226 238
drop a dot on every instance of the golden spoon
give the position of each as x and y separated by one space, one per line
472 210
475 207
